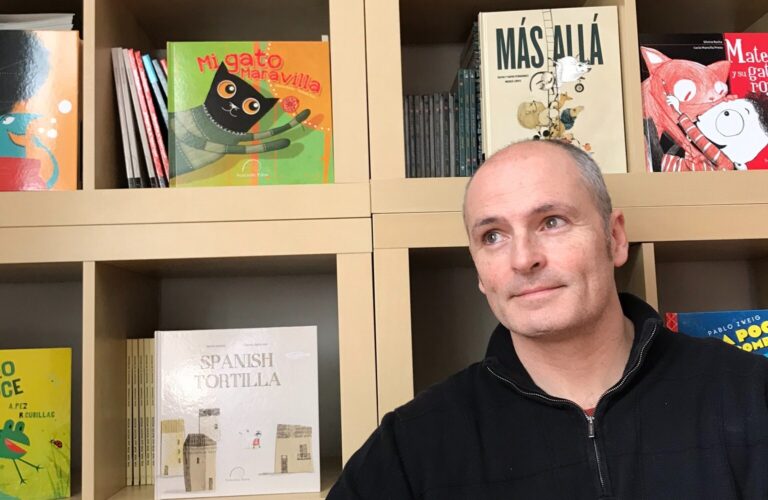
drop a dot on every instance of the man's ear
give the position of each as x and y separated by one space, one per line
619 242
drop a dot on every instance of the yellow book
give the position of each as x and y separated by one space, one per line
35 412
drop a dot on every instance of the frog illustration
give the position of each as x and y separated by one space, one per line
10 438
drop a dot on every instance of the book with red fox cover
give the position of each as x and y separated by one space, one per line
700 109
39 102
250 113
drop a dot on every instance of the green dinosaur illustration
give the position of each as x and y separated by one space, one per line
10 439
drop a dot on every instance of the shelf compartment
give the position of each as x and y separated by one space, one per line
42 307
146 26
405 44
132 299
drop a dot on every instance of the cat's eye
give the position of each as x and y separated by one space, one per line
251 106
7 120
226 89
721 88
685 90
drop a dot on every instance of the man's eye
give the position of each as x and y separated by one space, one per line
553 222
491 237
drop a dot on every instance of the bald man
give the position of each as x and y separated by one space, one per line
583 394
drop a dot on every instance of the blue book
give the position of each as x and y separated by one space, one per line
747 330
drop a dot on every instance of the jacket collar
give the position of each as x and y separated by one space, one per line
501 354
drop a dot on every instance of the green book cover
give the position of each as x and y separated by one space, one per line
35 413
250 113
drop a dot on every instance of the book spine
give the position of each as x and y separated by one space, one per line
162 174
130 178
428 148
135 409
439 143
154 84
406 142
419 136
452 132
147 142
142 416
152 410
412 138
461 126
162 79
472 122
130 123
128 422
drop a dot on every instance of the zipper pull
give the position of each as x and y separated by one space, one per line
591 427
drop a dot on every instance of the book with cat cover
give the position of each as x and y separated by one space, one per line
553 74
746 330
39 104
250 113
703 108
35 414
237 412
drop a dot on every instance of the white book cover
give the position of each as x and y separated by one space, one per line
237 412
554 74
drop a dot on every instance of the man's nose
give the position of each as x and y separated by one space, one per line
527 254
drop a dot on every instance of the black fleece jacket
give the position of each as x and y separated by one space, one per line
687 420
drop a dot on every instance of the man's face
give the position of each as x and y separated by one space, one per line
544 258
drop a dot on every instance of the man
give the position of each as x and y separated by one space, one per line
583 393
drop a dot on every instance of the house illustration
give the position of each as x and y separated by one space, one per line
199 463
209 423
293 449
171 447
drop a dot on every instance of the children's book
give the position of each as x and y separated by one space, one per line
35 414
39 104
747 330
705 101
250 113
553 74
237 412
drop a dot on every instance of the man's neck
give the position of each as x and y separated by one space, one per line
581 366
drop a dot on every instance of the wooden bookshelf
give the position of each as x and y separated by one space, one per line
114 261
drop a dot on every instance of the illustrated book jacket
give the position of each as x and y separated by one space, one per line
237 412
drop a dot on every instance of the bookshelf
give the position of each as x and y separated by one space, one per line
697 240
115 264
112 264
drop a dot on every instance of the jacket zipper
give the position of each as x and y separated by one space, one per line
591 432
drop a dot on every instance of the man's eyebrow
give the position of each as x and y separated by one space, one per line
543 208
553 207
487 221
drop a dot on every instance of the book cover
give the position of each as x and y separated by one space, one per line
237 412
39 103
554 74
746 330
250 113
748 55
702 107
35 414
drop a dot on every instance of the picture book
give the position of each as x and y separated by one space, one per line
553 74
250 113
746 330
237 412
39 102
35 414
705 105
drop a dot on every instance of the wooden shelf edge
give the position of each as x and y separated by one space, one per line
214 204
